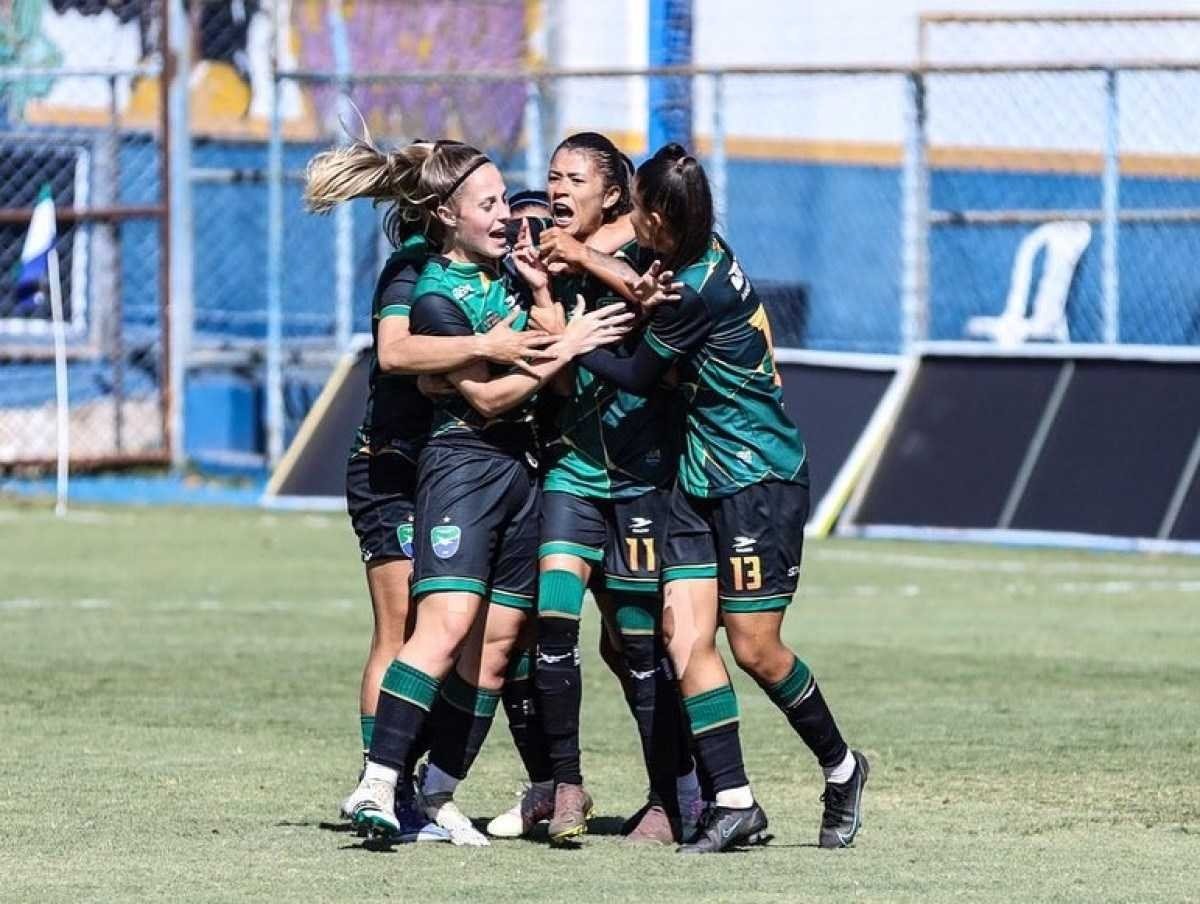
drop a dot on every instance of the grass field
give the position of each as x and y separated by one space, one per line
178 721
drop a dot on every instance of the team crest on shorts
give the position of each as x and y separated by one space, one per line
404 533
445 539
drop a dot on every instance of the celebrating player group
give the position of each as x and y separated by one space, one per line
572 390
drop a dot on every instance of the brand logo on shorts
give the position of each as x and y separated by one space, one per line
445 540
745 455
744 544
404 533
640 525
793 571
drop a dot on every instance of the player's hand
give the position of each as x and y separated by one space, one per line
504 345
527 261
549 318
435 386
654 287
588 330
560 251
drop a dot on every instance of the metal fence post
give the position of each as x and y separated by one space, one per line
274 351
179 252
718 163
343 223
1110 202
914 227
106 263
535 150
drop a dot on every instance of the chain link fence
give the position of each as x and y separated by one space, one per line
872 206
92 140
1015 155
813 200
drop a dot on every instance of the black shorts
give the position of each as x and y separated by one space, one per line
751 542
625 536
476 525
381 491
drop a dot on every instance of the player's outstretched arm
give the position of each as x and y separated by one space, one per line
492 397
403 352
675 330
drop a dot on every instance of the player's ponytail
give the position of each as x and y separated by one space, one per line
414 180
672 184
612 165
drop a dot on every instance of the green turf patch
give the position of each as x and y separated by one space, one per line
178 701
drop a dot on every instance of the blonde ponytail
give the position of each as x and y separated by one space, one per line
414 180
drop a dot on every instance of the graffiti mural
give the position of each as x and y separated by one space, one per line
231 64
388 37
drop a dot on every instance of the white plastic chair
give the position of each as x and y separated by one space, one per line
1064 243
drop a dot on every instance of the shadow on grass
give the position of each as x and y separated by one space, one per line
602 826
339 827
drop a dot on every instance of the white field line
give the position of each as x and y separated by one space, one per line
1013 588
1002 566
21 603
342 605
338 605
74 516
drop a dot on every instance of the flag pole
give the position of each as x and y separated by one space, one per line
63 436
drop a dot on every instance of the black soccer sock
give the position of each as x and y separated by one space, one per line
713 716
653 697
654 702
418 749
405 698
459 725
801 701
556 673
524 721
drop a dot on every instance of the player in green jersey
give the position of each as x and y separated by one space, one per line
606 488
382 468
736 526
474 531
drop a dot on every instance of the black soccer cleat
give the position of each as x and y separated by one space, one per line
723 828
843 806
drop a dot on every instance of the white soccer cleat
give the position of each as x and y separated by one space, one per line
536 805
373 807
443 811
346 808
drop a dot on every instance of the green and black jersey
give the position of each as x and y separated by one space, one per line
458 299
397 416
611 444
737 432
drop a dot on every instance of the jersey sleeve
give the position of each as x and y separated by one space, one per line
437 315
396 298
636 256
676 329
638 371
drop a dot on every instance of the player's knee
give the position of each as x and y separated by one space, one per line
494 660
763 658
447 638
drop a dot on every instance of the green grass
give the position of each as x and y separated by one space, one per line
178 718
